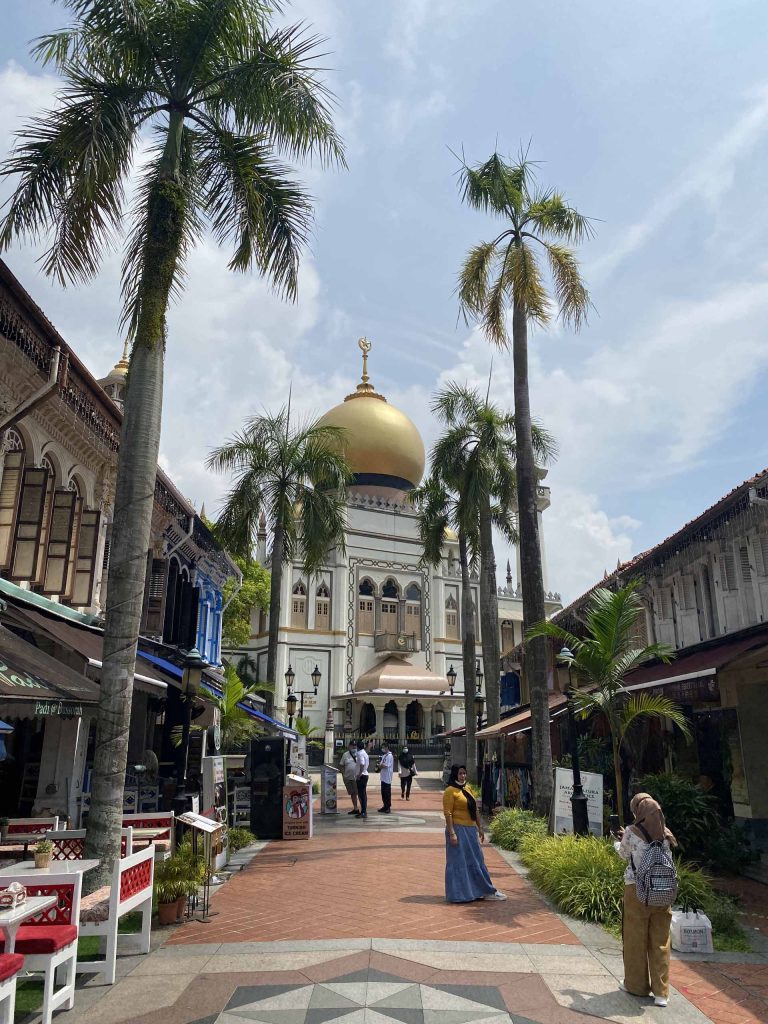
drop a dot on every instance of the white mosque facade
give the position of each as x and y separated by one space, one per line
382 629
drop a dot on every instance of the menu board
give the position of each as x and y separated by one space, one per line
297 808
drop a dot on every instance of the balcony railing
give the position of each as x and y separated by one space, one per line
398 643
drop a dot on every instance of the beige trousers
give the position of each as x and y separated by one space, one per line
645 931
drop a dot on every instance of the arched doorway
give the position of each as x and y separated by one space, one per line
367 720
414 721
390 722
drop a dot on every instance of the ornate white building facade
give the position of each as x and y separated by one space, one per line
382 629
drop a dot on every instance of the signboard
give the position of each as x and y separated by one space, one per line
328 782
214 784
200 822
593 790
299 761
297 808
58 707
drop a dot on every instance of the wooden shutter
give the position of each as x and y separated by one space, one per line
29 521
727 571
761 550
85 562
746 568
154 607
10 486
72 553
42 550
59 542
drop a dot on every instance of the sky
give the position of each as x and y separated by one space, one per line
652 118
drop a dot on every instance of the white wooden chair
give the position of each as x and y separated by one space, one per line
10 965
100 912
48 942
69 844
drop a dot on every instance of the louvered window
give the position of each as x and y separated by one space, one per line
26 539
45 524
688 593
640 631
85 561
665 596
322 608
299 607
59 541
746 568
10 488
451 619
761 544
727 571
154 596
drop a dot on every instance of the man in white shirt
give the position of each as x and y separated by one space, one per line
362 778
386 768
349 773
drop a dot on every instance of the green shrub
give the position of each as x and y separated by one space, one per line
509 826
239 838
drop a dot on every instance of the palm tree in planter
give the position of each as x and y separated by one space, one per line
505 274
304 727
479 444
237 726
219 94
297 477
607 652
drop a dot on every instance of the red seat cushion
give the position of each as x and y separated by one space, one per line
10 964
44 938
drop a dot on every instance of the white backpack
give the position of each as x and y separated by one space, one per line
656 875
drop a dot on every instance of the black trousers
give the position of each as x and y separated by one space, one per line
405 785
362 793
386 795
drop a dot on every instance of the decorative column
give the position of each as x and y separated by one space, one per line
378 707
401 615
401 706
427 709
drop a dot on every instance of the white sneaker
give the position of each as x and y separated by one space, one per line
496 896
660 1001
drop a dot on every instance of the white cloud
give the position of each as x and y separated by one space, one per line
402 115
707 178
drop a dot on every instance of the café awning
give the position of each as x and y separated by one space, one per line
521 720
28 675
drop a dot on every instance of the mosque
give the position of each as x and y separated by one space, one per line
382 630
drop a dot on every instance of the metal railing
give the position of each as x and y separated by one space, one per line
403 643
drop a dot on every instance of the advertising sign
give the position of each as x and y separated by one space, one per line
297 808
328 781
593 790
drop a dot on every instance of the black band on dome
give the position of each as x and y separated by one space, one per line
398 483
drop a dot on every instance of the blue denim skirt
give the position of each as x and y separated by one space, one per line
466 876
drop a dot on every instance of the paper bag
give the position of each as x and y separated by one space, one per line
691 932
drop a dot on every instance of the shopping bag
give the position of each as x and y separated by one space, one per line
691 932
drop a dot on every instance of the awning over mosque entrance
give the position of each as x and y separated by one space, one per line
398 677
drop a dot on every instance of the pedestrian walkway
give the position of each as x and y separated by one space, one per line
352 926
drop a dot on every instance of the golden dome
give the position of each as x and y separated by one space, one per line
382 445
450 535
120 369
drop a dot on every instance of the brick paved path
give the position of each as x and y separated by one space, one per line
726 993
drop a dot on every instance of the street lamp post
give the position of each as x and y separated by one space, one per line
451 677
579 810
291 700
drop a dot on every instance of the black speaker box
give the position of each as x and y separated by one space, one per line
267 768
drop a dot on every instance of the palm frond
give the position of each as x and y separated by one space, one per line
647 705
571 292
522 279
474 278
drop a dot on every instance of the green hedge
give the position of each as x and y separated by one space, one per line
584 878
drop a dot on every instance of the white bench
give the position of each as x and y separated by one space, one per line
10 965
100 911
69 844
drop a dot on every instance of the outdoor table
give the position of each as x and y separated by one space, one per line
25 839
11 919
58 867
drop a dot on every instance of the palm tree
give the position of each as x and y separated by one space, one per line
221 94
237 726
609 650
502 274
304 727
297 477
480 444
439 509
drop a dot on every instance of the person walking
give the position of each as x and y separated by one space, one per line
645 929
466 876
406 770
348 767
362 761
386 769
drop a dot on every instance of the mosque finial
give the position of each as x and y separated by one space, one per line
365 347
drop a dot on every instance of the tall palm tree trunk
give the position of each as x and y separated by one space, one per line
531 570
489 615
468 658
275 589
131 525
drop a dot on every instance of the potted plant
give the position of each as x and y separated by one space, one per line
43 853
175 880
4 828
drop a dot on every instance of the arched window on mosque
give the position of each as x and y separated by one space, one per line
413 610
299 606
323 607
365 600
451 619
390 594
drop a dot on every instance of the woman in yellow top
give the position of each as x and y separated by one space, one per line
466 876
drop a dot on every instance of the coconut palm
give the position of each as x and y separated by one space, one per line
237 725
501 275
480 444
209 96
439 509
607 652
297 477
304 727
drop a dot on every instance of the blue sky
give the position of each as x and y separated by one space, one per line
653 118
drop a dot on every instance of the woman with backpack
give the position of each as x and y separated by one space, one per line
650 887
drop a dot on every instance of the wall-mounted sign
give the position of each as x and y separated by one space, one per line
58 707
